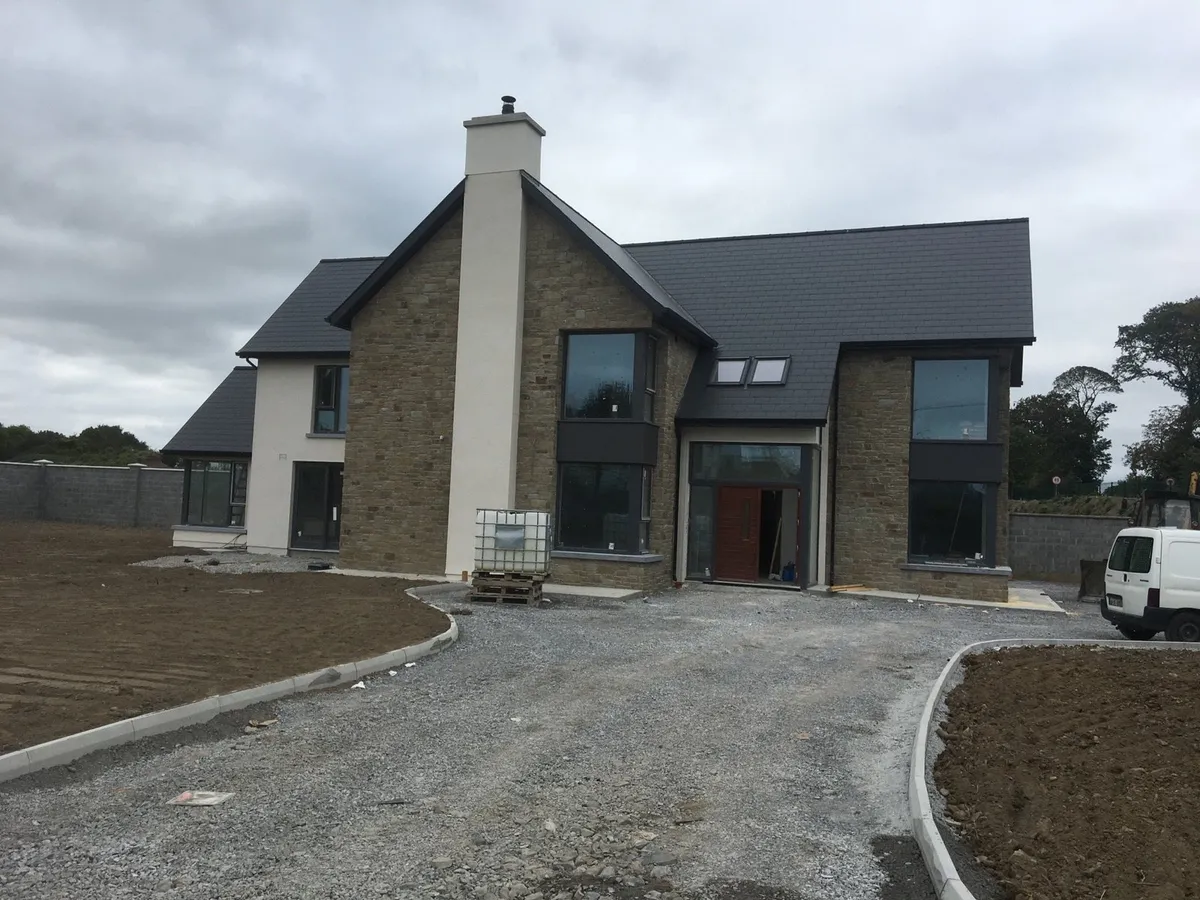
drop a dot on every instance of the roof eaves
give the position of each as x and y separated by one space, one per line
345 313
538 194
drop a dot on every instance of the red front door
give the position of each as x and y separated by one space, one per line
736 551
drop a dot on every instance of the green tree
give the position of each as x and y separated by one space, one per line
99 445
1083 386
1168 448
1052 435
1164 346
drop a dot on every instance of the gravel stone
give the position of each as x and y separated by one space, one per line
757 739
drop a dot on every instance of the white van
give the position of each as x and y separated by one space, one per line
1153 584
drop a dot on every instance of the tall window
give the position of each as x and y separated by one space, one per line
332 400
950 399
946 522
651 376
215 493
598 382
603 508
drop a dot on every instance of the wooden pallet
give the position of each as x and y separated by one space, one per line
506 587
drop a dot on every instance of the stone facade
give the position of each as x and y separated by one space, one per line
402 356
567 288
870 503
129 496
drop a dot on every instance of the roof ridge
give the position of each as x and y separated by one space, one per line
330 259
827 231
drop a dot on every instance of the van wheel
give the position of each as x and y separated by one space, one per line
1136 634
1184 626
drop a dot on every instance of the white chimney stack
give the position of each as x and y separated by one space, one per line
491 312
509 142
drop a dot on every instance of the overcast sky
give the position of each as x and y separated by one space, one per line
170 170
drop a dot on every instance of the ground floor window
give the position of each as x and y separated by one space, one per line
603 508
214 493
948 522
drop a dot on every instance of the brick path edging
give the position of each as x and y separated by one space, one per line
61 751
942 872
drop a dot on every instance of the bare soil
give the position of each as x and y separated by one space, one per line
87 639
1073 771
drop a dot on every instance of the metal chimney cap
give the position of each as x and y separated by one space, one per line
507 109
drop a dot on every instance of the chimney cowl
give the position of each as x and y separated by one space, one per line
508 109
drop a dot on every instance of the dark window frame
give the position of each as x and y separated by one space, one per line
340 404
787 367
746 365
235 503
637 404
989 536
992 404
650 376
637 516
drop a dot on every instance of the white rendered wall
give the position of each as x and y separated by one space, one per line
283 410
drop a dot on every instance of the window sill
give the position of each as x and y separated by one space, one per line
636 558
218 529
1004 571
321 435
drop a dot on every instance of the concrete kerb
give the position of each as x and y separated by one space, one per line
942 871
67 749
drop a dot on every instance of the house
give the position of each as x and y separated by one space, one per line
829 407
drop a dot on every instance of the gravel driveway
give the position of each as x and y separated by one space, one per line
715 742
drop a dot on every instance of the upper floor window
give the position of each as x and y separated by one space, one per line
611 376
332 400
650 354
950 399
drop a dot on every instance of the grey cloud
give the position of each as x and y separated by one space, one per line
171 170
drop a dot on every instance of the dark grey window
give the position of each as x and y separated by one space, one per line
601 508
729 371
651 377
950 399
769 370
771 463
1131 554
332 399
599 377
947 522
214 493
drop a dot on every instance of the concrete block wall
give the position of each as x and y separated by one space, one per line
129 496
20 487
1050 547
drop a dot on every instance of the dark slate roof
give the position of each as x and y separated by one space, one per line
224 423
618 261
806 295
298 326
